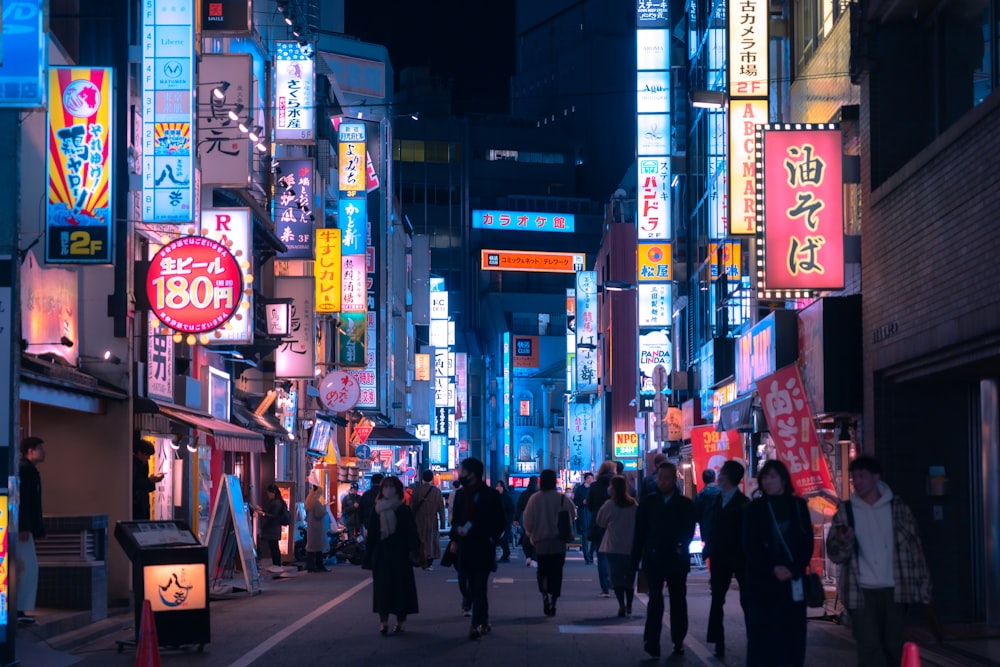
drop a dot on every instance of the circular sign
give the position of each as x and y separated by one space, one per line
655 254
411 473
194 284
82 98
339 392
363 452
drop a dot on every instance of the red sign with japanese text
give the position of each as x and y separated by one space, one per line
363 430
194 284
791 423
710 448
803 212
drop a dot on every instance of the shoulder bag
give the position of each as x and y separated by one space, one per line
565 525
812 587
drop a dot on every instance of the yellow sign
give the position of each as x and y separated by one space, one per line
743 116
328 270
731 260
653 262
626 445
180 587
422 363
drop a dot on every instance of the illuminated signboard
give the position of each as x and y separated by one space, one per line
351 339
654 305
159 362
748 63
80 133
743 116
525 351
24 49
653 91
653 262
653 136
655 349
296 356
5 559
439 305
506 398
525 222
338 391
232 228
224 150
293 204
462 387
294 98
581 436
328 270
353 222
570 337
802 234
353 296
168 55
351 139
755 354
194 285
422 367
731 260
181 587
586 331
626 444
537 262
653 186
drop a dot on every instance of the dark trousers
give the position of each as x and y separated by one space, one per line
776 633
550 573
505 541
583 529
677 589
275 550
721 576
878 627
465 590
478 587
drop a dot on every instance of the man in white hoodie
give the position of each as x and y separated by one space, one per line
875 541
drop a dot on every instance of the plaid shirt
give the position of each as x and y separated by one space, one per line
909 569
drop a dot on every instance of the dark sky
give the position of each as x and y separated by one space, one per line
469 41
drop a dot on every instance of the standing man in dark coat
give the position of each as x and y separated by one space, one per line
143 483
367 502
29 526
475 531
724 549
664 528
583 516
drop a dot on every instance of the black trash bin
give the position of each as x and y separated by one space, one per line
170 569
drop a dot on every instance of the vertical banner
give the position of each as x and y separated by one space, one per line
506 362
570 339
328 270
461 387
296 358
744 115
353 296
581 436
293 203
351 334
294 95
225 151
710 448
748 56
159 361
586 331
78 214
168 66
232 227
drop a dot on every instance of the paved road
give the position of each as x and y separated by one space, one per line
326 619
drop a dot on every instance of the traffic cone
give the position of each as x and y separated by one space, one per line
148 651
911 655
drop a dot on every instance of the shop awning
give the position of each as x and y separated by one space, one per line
736 415
228 437
265 424
62 386
388 435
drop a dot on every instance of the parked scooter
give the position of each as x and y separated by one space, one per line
340 546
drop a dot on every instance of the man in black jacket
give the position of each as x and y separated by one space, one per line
367 503
30 525
664 528
724 550
597 496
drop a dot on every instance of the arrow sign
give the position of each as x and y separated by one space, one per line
363 452
363 430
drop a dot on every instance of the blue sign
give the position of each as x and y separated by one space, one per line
22 75
523 221
363 452
352 219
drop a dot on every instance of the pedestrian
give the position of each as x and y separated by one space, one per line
596 497
475 531
143 482
30 526
316 538
583 516
522 502
648 484
778 543
392 537
664 528
704 503
350 511
724 549
272 517
617 519
878 575
428 511
541 524
507 505
367 502
452 558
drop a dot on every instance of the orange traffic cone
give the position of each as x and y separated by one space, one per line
148 651
911 655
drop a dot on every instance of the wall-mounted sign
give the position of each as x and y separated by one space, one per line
296 357
422 367
653 186
537 262
338 391
225 152
654 305
626 445
523 221
232 227
230 17
24 47
293 204
748 63
351 339
159 362
586 331
353 295
294 95
653 262
525 351
352 219
328 270
743 116
168 121
731 260
194 284
439 305
279 319
655 349
351 138
581 436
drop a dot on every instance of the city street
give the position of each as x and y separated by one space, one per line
324 619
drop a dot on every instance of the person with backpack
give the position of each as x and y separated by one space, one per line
878 576
273 515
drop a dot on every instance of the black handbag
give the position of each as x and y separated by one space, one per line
812 586
565 526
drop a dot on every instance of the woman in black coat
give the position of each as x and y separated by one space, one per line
271 514
392 537
778 543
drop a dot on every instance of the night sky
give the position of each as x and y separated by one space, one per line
469 41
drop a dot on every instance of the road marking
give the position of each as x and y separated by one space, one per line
601 629
280 636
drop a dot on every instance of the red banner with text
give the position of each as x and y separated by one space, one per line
711 448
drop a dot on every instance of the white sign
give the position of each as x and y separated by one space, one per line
294 97
224 150
232 228
586 331
654 305
159 361
439 305
653 189
339 391
296 358
439 333
654 349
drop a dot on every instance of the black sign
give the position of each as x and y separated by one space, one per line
440 426
228 16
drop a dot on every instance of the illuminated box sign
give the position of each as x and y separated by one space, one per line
293 203
537 262
168 53
748 62
527 222
743 116
653 186
351 339
352 292
586 331
422 367
80 134
24 55
802 232
581 436
655 349
525 351
352 168
231 227
225 153
294 96
653 134
771 344
731 260
231 17
180 587
653 262
626 445
653 92
439 306
328 270
194 285
353 223
654 305
159 362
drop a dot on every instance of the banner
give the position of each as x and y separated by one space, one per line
328 270
224 149
586 331
293 202
294 95
296 358
581 436
710 448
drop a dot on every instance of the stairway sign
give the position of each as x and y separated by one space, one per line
229 519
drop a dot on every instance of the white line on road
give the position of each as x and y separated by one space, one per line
601 629
279 637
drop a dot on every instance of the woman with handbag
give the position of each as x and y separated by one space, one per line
548 523
617 519
273 515
778 543
392 543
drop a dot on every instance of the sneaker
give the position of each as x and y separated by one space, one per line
527 562
604 594
466 612
429 568
678 649
534 564
24 618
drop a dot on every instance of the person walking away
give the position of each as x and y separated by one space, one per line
367 503
350 511
271 514
596 497
522 502
704 503
143 483
507 506
583 516
392 537
617 519
30 526
428 511
664 528
778 544
541 524
724 549
878 575
648 483
475 531
316 539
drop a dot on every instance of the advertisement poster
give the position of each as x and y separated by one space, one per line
710 448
